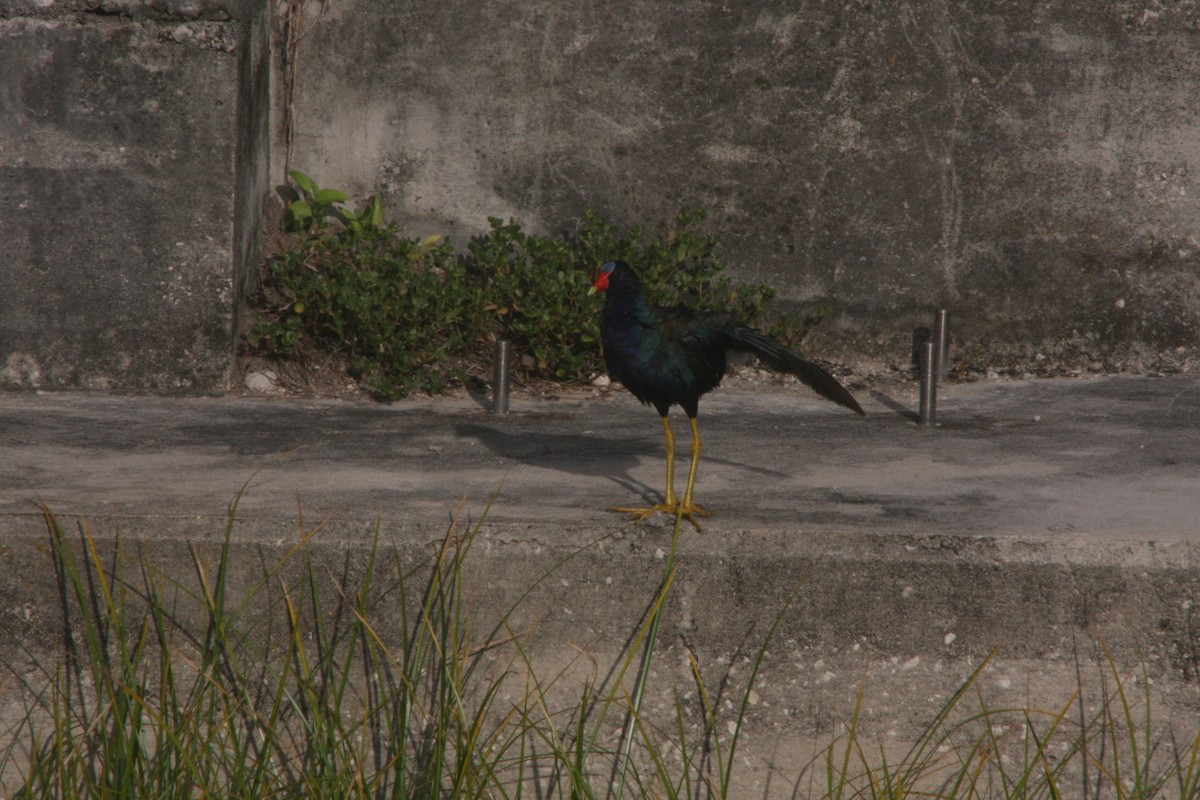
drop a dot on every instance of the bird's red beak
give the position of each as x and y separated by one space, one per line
601 283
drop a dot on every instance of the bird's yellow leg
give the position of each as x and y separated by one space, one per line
670 437
687 507
671 504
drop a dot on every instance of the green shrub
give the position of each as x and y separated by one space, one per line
413 315
391 304
535 293
678 266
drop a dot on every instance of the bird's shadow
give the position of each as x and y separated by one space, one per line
592 456
608 457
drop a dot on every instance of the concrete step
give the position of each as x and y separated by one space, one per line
1046 518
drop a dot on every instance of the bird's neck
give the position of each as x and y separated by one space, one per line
626 304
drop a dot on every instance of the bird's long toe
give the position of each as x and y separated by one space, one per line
688 512
643 514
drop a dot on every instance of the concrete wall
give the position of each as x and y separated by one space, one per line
1033 166
132 155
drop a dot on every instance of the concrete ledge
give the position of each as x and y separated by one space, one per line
1042 518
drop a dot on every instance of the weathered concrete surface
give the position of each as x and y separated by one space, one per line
134 165
1041 517
1031 166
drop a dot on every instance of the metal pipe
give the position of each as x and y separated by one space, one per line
501 380
941 337
928 410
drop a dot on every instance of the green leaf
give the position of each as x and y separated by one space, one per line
329 196
303 181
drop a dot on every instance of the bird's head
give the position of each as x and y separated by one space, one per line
609 271
604 276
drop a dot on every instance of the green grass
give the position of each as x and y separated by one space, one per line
282 686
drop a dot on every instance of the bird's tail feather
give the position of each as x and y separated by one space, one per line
779 358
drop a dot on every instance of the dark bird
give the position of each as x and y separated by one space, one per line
671 356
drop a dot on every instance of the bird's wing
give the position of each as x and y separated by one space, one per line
678 321
698 334
688 349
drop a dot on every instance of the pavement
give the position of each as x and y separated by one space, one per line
1039 516
1050 459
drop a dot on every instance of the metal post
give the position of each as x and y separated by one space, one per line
501 380
928 410
941 337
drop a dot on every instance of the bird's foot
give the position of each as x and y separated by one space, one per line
688 511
